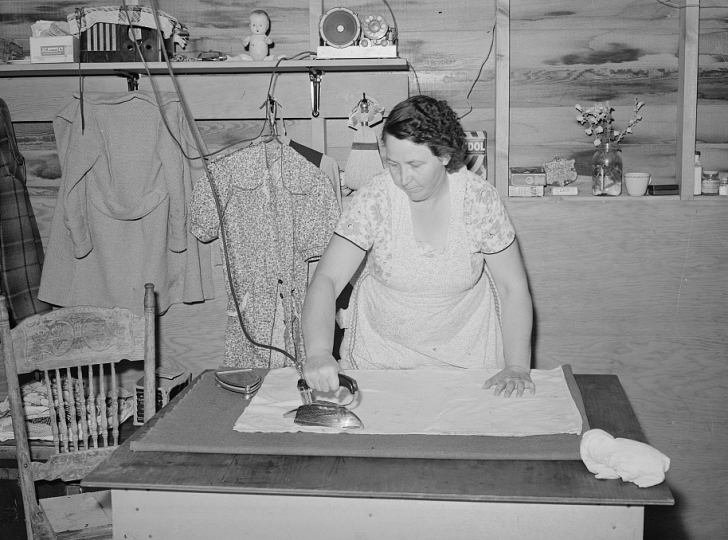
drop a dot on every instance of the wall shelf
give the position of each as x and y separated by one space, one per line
688 67
204 68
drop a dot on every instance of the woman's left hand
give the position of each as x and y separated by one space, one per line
510 379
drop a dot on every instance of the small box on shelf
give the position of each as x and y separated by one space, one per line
525 191
527 176
663 189
476 158
559 191
54 50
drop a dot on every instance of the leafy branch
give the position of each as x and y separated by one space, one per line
599 119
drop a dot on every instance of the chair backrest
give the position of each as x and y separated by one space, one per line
76 349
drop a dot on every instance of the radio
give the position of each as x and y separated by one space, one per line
344 35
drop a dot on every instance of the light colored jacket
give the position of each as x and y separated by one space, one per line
121 214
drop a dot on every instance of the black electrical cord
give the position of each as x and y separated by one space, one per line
480 71
201 147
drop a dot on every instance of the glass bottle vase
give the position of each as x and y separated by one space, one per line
607 170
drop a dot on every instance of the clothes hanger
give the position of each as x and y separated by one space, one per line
275 137
272 121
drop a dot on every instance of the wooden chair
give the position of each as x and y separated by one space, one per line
80 346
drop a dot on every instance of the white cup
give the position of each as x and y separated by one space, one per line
637 183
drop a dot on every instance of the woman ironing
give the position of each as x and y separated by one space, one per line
444 284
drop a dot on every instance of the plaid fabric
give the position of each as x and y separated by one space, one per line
21 251
84 18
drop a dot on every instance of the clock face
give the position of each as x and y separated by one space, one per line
375 27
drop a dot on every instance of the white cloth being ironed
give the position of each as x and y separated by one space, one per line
426 309
424 401
632 461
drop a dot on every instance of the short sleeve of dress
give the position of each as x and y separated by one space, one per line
364 216
490 228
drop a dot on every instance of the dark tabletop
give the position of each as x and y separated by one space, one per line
523 481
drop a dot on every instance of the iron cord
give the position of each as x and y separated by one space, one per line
203 156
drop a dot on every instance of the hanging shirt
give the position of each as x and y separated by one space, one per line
279 212
327 164
121 214
413 306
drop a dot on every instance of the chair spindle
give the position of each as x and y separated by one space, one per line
83 410
61 418
104 422
93 424
73 423
114 408
52 409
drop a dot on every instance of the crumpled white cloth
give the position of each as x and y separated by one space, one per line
632 461
424 401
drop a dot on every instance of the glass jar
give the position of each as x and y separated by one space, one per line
723 183
607 170
710 183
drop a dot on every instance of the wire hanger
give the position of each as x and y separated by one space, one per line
132 79
271 116
272 119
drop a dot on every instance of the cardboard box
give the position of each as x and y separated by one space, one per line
562 190
54 50
168 386
525 191
527 176
476 158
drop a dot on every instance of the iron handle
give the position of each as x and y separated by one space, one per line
307 394
348 383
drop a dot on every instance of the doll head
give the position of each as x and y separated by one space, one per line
259 22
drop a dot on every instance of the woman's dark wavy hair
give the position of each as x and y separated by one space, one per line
425 120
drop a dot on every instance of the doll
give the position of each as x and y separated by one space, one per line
257 43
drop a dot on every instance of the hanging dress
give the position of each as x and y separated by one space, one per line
414 306
279 213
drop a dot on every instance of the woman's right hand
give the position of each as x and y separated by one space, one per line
322 373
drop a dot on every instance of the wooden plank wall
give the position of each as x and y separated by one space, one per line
567 52
441 42
636 288
631 287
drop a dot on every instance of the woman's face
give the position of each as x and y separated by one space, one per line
415 169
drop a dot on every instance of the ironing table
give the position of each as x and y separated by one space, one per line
220 495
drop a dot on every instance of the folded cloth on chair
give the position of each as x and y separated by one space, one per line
38 413
632 461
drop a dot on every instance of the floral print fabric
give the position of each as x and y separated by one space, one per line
367 221
279 212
